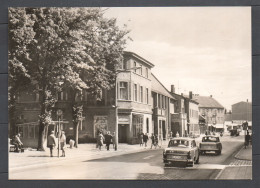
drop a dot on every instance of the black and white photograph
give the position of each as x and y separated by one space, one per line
129 93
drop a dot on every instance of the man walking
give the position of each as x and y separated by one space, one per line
51 143
108 138
145 138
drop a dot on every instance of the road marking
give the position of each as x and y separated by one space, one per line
148 157
202 166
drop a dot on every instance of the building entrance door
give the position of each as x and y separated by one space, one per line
122 133
163 130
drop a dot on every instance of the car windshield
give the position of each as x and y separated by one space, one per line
210 139
178 143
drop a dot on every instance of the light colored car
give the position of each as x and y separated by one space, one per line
210 143
181 150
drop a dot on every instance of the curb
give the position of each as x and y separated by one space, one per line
237 155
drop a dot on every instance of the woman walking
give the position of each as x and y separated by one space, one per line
63 143
100 140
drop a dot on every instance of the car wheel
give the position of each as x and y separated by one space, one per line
198 159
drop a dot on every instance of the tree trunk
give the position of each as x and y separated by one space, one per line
11 113
76 133
41 137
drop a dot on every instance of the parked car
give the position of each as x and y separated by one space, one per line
210 143
181 150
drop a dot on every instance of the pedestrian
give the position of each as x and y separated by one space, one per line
152 139
51 143
100 140
140 138
145 139
177 134
114 139
63 143
18 143
247 138
108 139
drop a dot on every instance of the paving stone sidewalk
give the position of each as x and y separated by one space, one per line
245 154
31 157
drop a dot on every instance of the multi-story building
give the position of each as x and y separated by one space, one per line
192 110
211 112
242 112
136 89
163 107
179 117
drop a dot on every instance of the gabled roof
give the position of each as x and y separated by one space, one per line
207 102
158 87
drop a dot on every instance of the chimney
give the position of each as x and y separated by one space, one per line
172 89
181 94
246 100
190 94
211 96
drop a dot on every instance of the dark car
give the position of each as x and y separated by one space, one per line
210 143
181 150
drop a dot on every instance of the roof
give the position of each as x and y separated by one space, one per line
139 58
182 138
159 88
207 102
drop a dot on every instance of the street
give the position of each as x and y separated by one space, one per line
143 165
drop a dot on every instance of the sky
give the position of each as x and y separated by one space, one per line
206 50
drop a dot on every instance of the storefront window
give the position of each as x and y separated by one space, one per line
137 125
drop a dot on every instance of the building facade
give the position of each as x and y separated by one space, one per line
211 113
163 107
142 106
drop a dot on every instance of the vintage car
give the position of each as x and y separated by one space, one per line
210 143
181 150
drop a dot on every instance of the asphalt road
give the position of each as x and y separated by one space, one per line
145 165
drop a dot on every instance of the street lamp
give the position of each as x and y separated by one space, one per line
116 107
59 114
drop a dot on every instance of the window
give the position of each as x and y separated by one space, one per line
147 96
141 69
141 93
135 92
135 66
159 101
123 91
147 125
31 131
60 96
125 65
146 72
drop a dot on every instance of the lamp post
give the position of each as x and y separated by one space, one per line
59 113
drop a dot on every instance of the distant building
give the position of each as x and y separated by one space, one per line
211 113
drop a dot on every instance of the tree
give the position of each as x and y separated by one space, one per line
99 46
75 48
20 35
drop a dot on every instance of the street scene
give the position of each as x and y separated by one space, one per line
129 94
133 162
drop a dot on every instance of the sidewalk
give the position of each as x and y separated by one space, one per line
31 157
240 171
245 154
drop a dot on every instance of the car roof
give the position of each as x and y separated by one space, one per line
211 136
183 138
